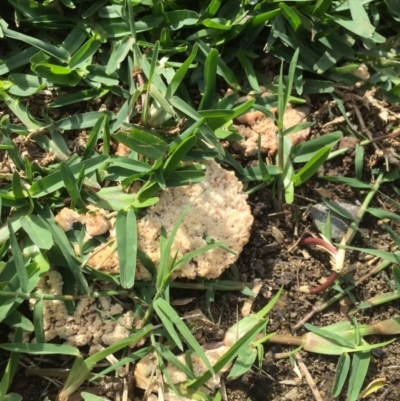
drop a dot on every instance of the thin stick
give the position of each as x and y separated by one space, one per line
217 285
309 379
338 296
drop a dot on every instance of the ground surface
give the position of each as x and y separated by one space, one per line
269 259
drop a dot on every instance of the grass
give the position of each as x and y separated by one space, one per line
161 72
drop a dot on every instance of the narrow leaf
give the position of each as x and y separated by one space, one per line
342 370
126 231
18 259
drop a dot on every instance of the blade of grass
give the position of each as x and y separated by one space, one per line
126 232
210 76
183 329
342 370
18 259
358 372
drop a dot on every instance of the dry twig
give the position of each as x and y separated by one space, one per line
309 379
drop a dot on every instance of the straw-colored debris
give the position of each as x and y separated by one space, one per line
169 397
146 367
94 321
257 123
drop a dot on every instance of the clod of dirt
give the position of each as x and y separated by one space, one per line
219 211
66 218
257 123
362 72
95 220
94 321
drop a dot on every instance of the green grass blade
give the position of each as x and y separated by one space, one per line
21 58
143 142
160 98
80 121
396 276
342 370
119 54
61 240
54 181
11 367
292 70
303 152
249 71
154 60
162 271
311 167
134 356
18 259
38 321
71 186
210 76
177 155
54 51
225 359
126 231
17 320
84 54
190 255
328 334
17 188
37 231
91 397
171 358
267 308
181 73
243 363
167 323
358 372
82 96
94 136
41 349
183 329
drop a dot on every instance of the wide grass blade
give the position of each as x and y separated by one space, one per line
143 142
358 372
342 370
54 51
180 73
331 335
126 231
37 231
311 167
38 321
210 76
